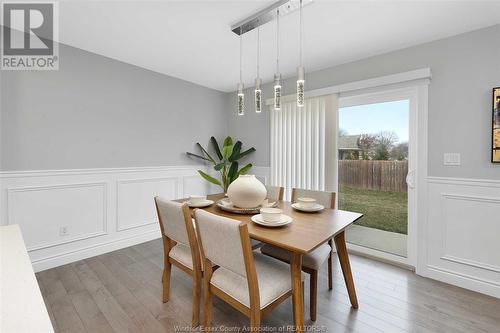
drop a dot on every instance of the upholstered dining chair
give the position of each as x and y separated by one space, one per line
180 248
311 262
250 282
275 192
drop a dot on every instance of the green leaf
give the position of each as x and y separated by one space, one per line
209 178
246 152
197 156
228 141
245 169
227 151
216 147
233 172
219 166
210 158
236 151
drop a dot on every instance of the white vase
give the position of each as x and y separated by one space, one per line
246 192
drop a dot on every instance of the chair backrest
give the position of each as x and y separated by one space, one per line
275 192
324 198
172 219
221 241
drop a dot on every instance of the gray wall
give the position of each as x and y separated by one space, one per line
98 112
464 68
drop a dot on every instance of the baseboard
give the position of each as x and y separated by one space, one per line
92 251
474 283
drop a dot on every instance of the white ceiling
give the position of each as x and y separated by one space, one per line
192 40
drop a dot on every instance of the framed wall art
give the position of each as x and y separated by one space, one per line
495 136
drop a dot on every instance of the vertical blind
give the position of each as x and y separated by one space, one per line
298 145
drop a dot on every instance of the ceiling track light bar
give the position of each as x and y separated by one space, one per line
267 14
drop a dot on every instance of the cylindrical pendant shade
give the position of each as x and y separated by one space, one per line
277 91
258 96
241 100
300 86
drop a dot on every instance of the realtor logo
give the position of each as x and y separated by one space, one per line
28 34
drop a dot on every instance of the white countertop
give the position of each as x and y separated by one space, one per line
22 308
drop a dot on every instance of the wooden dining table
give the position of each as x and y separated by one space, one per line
307 232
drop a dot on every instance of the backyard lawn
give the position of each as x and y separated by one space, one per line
383 210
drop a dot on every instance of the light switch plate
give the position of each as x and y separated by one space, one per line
451 158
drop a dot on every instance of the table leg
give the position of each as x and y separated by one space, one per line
297 296
346 268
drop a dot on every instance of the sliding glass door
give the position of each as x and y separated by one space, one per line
374 168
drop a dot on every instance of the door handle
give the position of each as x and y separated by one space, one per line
410 179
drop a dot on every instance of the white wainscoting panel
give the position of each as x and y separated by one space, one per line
462 234
102 209
194 185
134 200
41 211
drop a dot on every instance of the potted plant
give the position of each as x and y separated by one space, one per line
225 163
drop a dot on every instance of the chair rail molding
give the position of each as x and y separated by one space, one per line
461 233
71 214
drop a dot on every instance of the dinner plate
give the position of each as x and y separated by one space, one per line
202 204
284 220
315 208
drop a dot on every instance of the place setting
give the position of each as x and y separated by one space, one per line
272 217
199 201
308 205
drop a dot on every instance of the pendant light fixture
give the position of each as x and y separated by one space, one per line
254 21
300 69
258 91
241 95
277 75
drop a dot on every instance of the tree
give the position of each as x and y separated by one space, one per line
383 145
366 143
400 152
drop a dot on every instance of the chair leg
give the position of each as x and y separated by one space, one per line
255 321
196 300
330 266
303 293
313 295
207 309
166 280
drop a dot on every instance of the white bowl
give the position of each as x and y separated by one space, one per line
271 214
197 199
306 202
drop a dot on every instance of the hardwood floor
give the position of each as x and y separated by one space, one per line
122 292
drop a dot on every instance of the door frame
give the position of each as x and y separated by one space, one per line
417 95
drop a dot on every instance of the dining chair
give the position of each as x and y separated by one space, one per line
275 192
180 248
311 262
250 282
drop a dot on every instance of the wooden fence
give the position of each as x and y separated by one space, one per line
387 176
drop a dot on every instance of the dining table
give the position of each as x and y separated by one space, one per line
307 232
